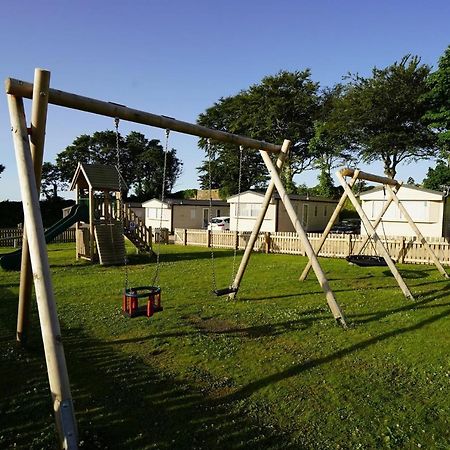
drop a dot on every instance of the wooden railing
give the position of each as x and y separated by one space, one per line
401 249
136 227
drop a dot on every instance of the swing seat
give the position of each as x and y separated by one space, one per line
366 260
131 296
224 291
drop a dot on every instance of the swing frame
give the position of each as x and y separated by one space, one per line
392 187
29 148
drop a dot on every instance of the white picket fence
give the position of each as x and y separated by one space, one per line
401 249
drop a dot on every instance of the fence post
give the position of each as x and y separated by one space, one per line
208 238
402 252
236 240
185 237
349 244
267 241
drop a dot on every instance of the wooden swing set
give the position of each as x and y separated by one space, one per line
392 187
29 147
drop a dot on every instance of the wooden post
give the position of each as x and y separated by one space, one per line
402 252
419 235
327 230
77 225
375 237
37 139
107 206
51 333
331 300
349 244
208 238
267 241
236 240
91 225
185 237
258 222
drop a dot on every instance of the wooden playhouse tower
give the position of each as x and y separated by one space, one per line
102 239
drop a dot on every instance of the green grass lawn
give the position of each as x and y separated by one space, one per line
269 370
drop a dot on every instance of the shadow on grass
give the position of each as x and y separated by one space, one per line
135 259
425 301
296 370
209 327
409 274
120 401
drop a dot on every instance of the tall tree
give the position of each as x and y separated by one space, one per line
98 148
141 160
329 145
381 116
438 115
150 173
2 168
50 180
438 177
280 107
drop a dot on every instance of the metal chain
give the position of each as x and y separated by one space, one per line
233 272
161 209
213 266
119 201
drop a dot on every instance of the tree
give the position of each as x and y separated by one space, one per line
150 173
329 145
438 114
381 116
2 168
280 107
50 180
141 160
98 148
326 187
438 178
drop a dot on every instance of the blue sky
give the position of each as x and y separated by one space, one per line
178 57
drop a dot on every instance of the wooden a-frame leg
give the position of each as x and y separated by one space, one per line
48 317
37 138
331 300
371 231
257 226
327 230
416 230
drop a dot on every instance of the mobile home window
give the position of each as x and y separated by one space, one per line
325 210
152 213
315 210
249 209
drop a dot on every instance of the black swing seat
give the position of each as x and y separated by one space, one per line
366 260
224 291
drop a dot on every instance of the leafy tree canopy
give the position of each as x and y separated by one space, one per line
329 144
438 178
50 180
2 168
141 161
381 116
280 107
438 115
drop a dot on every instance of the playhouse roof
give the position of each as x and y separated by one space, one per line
98 177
